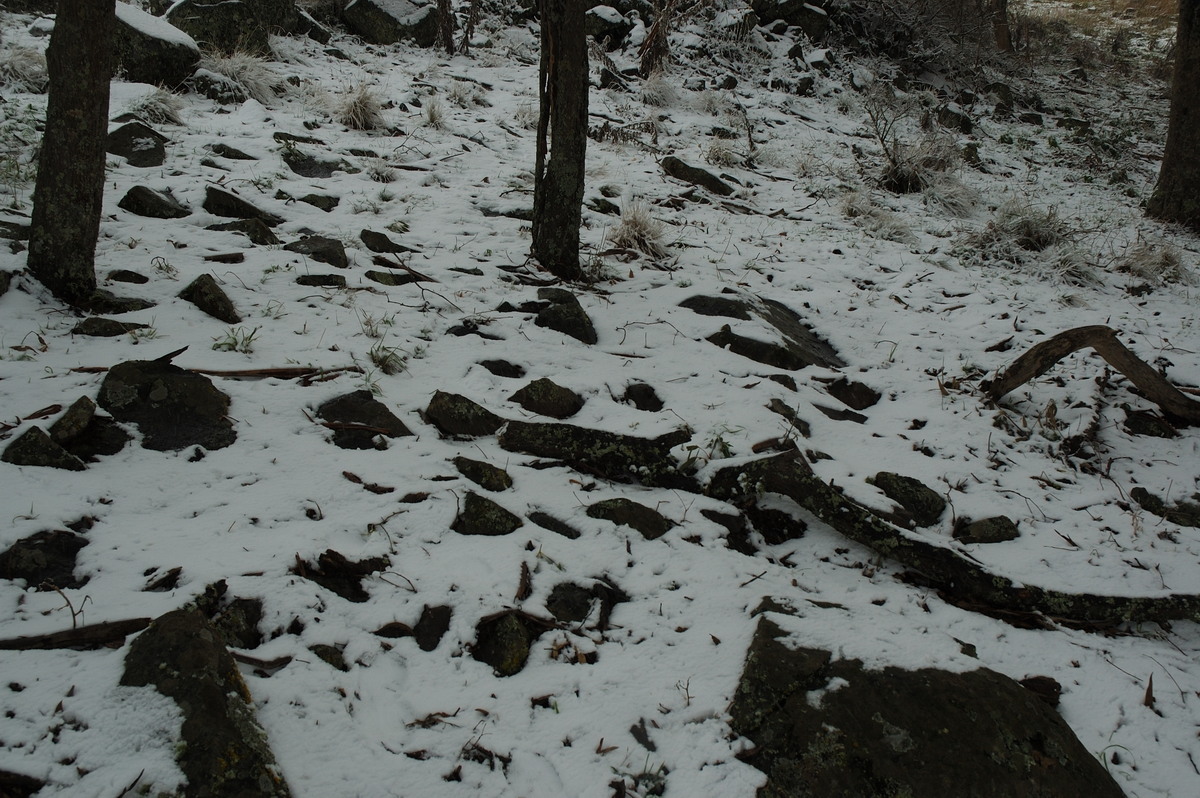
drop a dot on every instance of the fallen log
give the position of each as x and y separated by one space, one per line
963 581
1042 356
93 636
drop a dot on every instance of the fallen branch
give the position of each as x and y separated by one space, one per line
93 636
964 582
1042 356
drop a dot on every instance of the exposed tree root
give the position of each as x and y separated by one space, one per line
1042 356
964 582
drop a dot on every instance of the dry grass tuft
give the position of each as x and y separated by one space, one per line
639 230
22 69
360 109
248 71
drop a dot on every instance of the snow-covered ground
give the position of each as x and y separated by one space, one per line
919 309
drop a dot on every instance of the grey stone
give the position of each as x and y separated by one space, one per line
100 327
988 530
35 448
454 414
254 229
139 144
322 249
223 203
358 419
142 201
391 21
480 515
204 293
225 751
174 408
799 344
565 315
673 167
923 504
625 512
151 50
485 475
44 558
547 398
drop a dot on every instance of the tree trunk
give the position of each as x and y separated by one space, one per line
445 19
563 95
1177 196
997 11
69 193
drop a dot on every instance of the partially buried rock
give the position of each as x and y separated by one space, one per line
35 448
922 504
679 170
174 408
85 434
987 530
454 414
223 203
224 750
643 397
321 248
504 640
333 571
379 242
503 368
482 516
44 558
548 398
100 327
358 420
485 475
152 204
204 293
139 144
625 512
254 229
431 626
565 315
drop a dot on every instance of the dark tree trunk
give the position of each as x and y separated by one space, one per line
1177 196
563 95
69 192
445 19
997 11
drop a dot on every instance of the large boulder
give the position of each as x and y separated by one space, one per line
173 407
152 50
824 727
225 751
391 21
235 25
806 16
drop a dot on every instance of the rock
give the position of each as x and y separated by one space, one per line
230 27
35 448
321 280
569 602
379 242
485 475
624 512
204 293
85 434
853 394
606 23
238 622
809 18
622 458
174 408
736 23
307 165
44 558
13 231
391 21
547 398
320 248
139 144
775 525
952 116
105 302
482 516
99 327
322 201
147 202
504 640
800 347
924 506
1183 513
547 521
232 153
432 626
643 397
673 167
339 575
151 50
454 414
224 750
894 732
221 89
127 276
254 229
1045 688
19 785
390 278
1145 422
987 530
565 315
358 419
222 203
331 655
502 368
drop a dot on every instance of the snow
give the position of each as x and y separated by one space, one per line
916 319
154 27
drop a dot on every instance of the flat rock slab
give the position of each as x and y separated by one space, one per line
799 344
174 408
223 203
455 414
893 732
225 750
321 248
139 144
147 202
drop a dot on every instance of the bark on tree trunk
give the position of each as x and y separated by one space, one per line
1177 196
69 193
997 11
563 94
445 18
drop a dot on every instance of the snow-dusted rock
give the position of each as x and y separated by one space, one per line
391 21
152 50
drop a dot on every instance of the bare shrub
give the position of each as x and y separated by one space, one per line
247 70
659 92
909 167
951 196
22 69
639 230
360 109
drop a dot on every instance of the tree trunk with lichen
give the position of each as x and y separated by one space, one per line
1176 198
69 193
563 114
